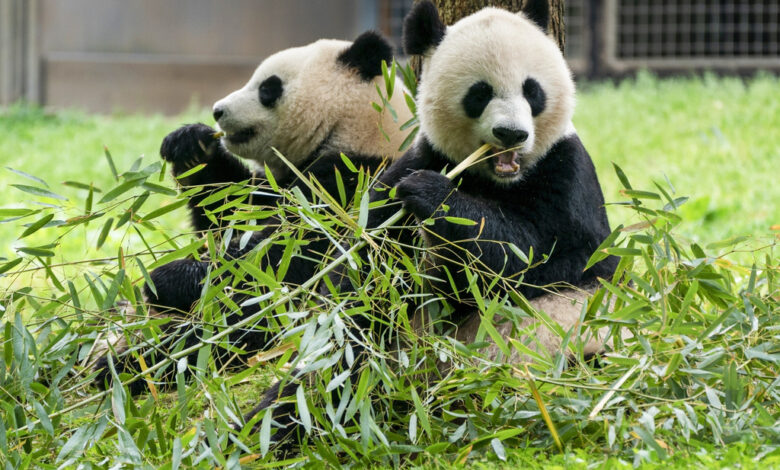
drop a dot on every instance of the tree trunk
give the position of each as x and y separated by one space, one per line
556 26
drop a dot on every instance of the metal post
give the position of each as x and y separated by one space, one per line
32 64
6 45
19 65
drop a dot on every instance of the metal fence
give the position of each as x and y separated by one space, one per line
612 37
684 34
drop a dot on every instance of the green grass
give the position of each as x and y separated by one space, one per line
69 146
696 387
715 139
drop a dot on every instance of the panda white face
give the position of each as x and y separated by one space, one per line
495 78
311 98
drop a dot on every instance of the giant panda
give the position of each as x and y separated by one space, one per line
310 103
494 77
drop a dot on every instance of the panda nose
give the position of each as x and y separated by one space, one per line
218 113
510 137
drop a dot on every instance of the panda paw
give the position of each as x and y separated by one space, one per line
423 192
189 146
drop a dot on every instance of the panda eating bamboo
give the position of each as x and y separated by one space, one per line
311 103
493 78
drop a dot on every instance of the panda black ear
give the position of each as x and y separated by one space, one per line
366 54
423 29
538 11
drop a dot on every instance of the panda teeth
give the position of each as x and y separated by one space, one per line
506 163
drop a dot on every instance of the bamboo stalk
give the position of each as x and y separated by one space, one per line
470 160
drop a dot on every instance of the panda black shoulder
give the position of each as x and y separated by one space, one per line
571 150
566 162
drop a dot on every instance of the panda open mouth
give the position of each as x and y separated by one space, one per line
240 137
506 163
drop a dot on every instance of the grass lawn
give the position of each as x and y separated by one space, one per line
696 386
715 139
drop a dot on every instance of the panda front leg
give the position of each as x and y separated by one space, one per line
177 287
195 144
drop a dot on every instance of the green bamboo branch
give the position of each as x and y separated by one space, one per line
470 160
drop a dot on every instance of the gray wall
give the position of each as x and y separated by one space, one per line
18 68
159 55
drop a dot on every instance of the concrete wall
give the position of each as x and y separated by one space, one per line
160 55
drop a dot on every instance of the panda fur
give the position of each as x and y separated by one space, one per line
545 194
311 103
539 190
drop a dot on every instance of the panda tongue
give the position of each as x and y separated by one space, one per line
505 162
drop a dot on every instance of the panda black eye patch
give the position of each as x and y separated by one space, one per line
270 91
535 96
477 99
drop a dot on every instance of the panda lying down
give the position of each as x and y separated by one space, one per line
494 78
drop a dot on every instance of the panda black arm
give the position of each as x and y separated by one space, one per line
416 158
558 209
484 246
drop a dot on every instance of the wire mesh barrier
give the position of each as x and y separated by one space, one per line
577 47
699 33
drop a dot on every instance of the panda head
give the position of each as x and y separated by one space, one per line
493 77
313 98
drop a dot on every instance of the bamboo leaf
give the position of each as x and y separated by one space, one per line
43 417
35 226
119 190
84 186
191 171
12 212
104 232
156 188
10 265
621 176
348 163
39 191
543 409
419 410
164 210
37 251
265 432
498 448
460 221
110 163
409 139
303 409
600 253
28 176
